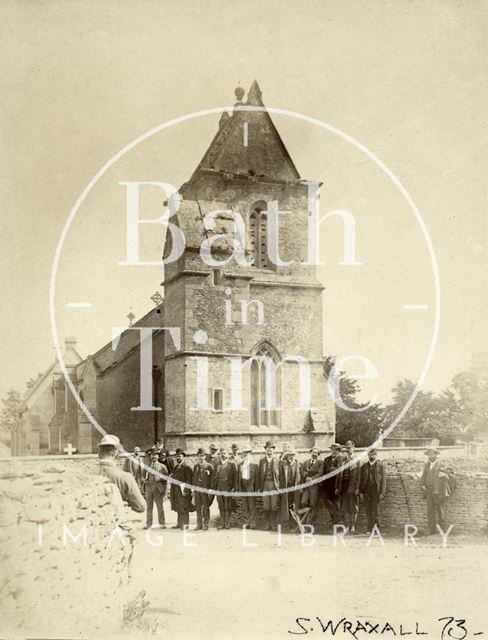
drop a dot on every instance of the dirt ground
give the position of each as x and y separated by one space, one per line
222 589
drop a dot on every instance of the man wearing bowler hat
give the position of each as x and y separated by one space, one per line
235 455
202 477
108 452
373 488
436 489
155 488
180 496
247 474
213 456
269 480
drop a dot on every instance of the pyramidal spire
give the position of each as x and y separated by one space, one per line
248 143
255 97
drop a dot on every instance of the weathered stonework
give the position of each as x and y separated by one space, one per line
232 177
50 582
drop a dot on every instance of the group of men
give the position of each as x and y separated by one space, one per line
232 471
339 481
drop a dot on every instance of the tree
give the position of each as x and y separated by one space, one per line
430 415
360 423
470 389
9 415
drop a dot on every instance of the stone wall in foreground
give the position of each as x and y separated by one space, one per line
55 584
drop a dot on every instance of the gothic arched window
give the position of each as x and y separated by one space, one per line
258 235
265 387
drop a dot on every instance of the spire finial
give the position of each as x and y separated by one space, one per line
239 93
131 317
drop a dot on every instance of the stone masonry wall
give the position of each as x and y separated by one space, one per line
467 508
56 584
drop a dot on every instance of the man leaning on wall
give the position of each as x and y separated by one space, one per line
108 452
437 485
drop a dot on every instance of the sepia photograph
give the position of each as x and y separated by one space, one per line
245 289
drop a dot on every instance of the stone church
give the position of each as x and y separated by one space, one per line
237 322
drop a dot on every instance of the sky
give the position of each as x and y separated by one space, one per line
79 81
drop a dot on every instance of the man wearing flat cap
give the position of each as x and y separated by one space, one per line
108 452
180 496
311 470
269 480
329 486
202 477
224 479
436 488
372 486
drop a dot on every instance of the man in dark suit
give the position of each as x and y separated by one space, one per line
311 470
224 479
437 487
247 474
180 496
269 480
372 486
202 477
159 445
155 489
329 486
290 476
348 487
166 459
235 455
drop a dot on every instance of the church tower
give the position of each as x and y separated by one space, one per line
249 364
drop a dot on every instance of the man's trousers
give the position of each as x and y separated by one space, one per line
372 507
249 506
349 508
332 505
153 495
436 511
202 508
224 503
270 503
183 519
